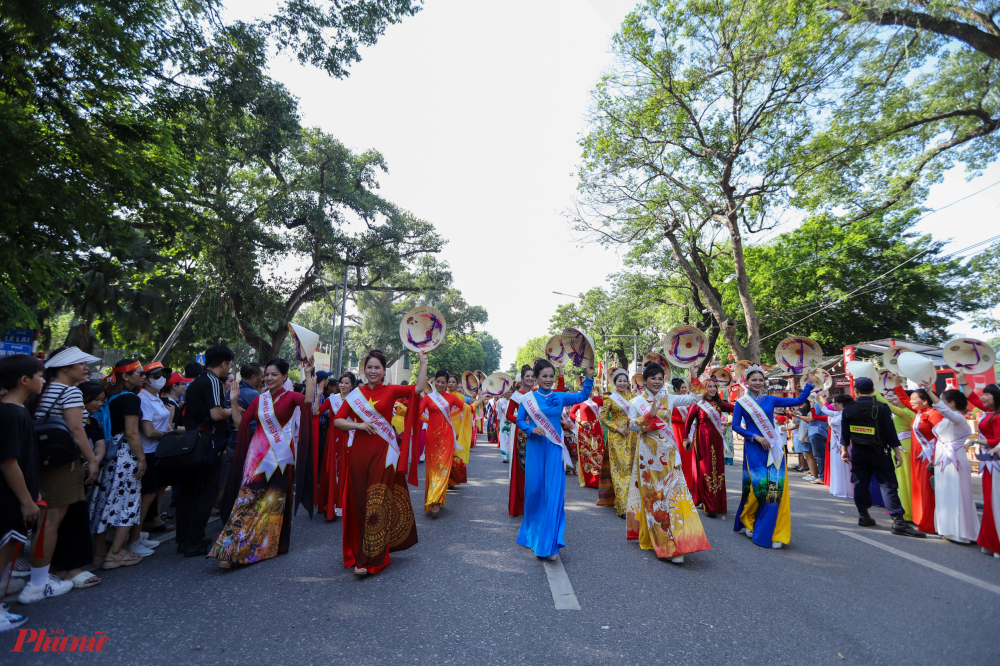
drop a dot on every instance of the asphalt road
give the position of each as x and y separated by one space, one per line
467 594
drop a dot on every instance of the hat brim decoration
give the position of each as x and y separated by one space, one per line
422 329
890 358
658 359
916 367
497 384
797 354
469 382
685 346
722 377
579 347
305 342
887 380
555 351
823 379
638 380
968 355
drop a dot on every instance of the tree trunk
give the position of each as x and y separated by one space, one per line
752 349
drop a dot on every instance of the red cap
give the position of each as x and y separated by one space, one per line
177 378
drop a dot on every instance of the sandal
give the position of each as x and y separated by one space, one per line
125 558
166 516
162 527
84 579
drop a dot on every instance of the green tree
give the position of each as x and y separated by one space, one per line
458 353
529 351
492 350
986 286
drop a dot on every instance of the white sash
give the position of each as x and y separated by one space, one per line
643 408
336 402
619 400
777 450
713 416
279 454
517 397
445 410
553 434
594 408
359 404
926 447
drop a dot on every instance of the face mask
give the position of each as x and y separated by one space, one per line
158 383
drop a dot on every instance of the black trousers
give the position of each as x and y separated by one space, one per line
199 486
866 462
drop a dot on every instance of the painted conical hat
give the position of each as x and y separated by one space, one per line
890 358
556 352
722 377
481 376
579 346
887 380
497 383
685 346
637 379
659 359
469 382
916 367
422 329
305 341
969 355
797 354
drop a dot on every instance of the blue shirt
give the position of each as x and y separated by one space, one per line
552 404
744 425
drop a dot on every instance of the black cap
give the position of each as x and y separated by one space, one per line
864 385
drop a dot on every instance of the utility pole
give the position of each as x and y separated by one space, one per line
343 311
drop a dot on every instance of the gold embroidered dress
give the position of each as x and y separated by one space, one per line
621 448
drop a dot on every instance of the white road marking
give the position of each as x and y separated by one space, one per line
559 585
927 563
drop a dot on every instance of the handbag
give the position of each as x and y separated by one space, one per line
56 446
191 449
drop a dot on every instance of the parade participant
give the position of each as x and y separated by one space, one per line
378 515
867 435
705 421
902 420
678 416
518 442
462 421
329 479
661 513
589 440
543 529
621 439
838 473
256 506
764 513
921 456
503 425
955 516
441 441
989 443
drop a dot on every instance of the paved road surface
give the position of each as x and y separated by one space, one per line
467 594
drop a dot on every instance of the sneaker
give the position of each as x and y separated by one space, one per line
21 568
16 585
139 549
9 620
677 560
53 587
148 543
776 545
808 477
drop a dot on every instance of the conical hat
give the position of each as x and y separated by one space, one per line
497 384
887 380
685 346
555 351
916 367
422 329
969 355
469 382
659 359
579 347
638 380
481 376
305 341
797 353
890 358
722 377
863 369
823 379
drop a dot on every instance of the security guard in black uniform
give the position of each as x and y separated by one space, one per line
868 426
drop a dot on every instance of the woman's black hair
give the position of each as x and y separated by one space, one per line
922 394
279 363
805 410
957 397
119 384
50 373
756 372
91 391
541 364
378 356
994 392
651 370
527 368
843 399
441 373
351 376
677 383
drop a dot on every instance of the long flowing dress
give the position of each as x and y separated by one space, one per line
921 456
463 421
902 420
503 429
707 449
765 509
989 428
256 506
329 477
543 528
955 515
378 515
518 448
621 449
662 514
839 472
689 466
440 449
589 441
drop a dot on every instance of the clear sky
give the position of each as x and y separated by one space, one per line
477 108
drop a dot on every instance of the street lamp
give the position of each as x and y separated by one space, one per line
570 295
343 311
